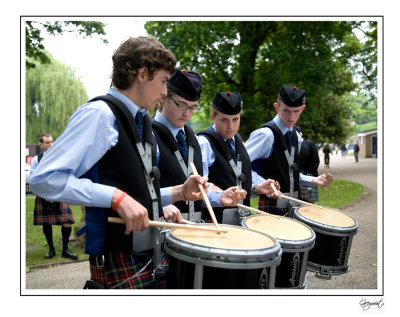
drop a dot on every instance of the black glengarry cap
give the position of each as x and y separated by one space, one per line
228 102
292 96
187 85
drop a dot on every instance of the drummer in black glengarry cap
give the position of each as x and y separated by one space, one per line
225 159
178 145
273 149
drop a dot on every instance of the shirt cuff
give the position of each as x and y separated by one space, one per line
214 197
306 180
166 196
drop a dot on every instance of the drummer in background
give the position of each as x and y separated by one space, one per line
225 159
274 147
177 142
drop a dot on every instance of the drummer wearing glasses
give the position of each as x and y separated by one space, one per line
225 159
178 145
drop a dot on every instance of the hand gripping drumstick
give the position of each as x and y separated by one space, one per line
169 225
293 199
204 194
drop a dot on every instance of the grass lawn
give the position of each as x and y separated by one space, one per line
337 195
36 245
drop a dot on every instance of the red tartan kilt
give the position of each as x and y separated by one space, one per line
55 213
121 269
269 205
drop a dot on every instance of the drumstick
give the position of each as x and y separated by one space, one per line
326 171
169 225
187 222
293 199
204 194
255 210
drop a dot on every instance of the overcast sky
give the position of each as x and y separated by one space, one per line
90 57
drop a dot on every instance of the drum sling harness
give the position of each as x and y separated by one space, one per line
142 240
236 167
187 170
280 203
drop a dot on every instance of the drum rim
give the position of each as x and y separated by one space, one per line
325 227
191 248
274 259
306 242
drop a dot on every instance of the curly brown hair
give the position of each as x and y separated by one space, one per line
135 53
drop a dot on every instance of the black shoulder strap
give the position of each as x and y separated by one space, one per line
217 140
127 117
277 133
165 134
190 136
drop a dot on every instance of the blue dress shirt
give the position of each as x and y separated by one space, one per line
260 145
91 132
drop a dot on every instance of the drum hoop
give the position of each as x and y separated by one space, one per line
289 243
274 259
322 227
200 250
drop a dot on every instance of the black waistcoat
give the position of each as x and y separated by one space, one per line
122 167
221 172
276 165
170 169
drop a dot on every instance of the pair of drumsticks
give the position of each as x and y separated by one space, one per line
189 225
183 226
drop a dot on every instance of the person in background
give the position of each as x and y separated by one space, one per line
49 213
327 151
356 150
308 165
274 149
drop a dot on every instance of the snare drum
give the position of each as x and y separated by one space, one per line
241 258
334 231
295 238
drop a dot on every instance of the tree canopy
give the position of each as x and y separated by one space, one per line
256 58
52 94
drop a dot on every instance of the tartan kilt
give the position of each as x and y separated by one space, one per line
120 271
51 213
314 194
269 205
304 193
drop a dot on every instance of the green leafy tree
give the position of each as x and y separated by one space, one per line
35 50
257 57
53 92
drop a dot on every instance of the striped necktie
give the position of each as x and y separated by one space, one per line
180 137
231 147
288 136
139 122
